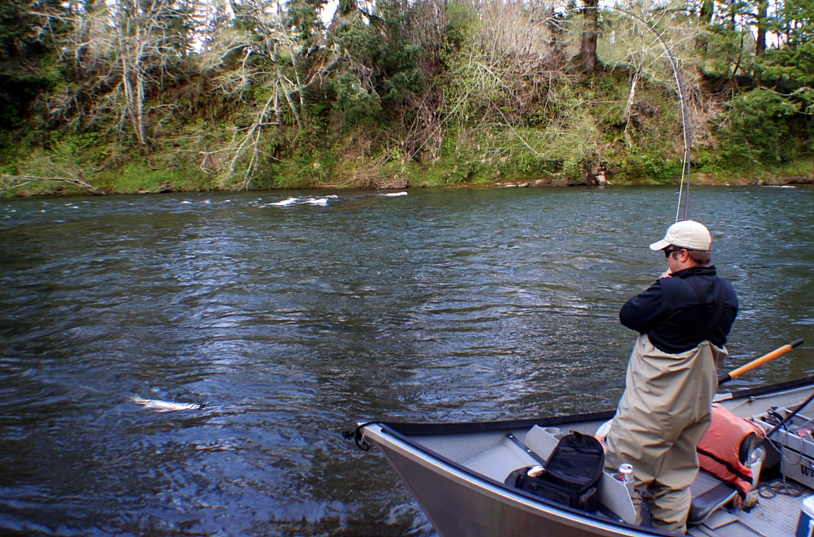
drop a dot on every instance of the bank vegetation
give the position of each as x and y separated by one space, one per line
165 95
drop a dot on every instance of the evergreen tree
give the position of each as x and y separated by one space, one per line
792 63
29 37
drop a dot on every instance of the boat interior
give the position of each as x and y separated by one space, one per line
783 468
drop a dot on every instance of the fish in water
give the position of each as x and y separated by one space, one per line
166 406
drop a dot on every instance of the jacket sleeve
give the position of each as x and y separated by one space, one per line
643 311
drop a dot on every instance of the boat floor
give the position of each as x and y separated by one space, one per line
776 516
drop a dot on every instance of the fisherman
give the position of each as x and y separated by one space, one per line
683 320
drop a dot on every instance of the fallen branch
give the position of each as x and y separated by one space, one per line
7 182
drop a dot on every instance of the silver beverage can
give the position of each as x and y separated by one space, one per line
626 473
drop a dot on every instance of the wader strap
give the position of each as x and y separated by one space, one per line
719 310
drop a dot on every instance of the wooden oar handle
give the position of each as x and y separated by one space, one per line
760 361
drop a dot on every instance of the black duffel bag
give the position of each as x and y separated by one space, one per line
570 476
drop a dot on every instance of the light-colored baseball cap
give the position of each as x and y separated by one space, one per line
688 234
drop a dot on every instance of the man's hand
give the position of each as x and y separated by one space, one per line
666 274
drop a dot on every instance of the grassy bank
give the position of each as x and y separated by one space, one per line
142 177
578 129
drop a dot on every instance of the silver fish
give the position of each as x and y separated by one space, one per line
166 406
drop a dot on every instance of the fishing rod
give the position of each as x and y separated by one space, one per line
790 416
780 351
685 113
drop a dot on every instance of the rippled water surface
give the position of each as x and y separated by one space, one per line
293 321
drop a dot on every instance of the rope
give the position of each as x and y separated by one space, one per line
358 437
766 396
780 487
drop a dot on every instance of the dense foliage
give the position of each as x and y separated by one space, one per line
149 95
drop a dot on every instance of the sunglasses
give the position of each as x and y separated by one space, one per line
670 251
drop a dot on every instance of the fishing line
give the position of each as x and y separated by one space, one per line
685 113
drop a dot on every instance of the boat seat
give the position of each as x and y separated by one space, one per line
708 495
500 460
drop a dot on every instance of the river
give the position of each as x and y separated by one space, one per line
293 321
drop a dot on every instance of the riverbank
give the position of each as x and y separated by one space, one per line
464 108
697 179
140 181
562 143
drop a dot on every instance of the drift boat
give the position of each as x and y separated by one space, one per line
456 472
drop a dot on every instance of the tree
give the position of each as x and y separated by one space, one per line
793 62
122 51
266 61
30 33
588 48
380 63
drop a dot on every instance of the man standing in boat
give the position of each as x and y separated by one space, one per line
683 320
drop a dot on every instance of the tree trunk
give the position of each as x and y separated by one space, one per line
707 10
588 48
760 42
141 120
762 20
134 100
705 17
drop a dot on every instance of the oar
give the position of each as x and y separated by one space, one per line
780 351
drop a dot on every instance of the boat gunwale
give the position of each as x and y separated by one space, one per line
438 428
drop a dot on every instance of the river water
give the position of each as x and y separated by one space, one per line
292 322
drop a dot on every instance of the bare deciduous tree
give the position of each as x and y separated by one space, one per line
266 76
122 50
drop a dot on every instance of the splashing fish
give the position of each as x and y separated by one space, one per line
166 406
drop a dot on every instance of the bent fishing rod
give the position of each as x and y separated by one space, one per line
685 113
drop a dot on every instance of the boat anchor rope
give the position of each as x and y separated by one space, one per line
357 436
